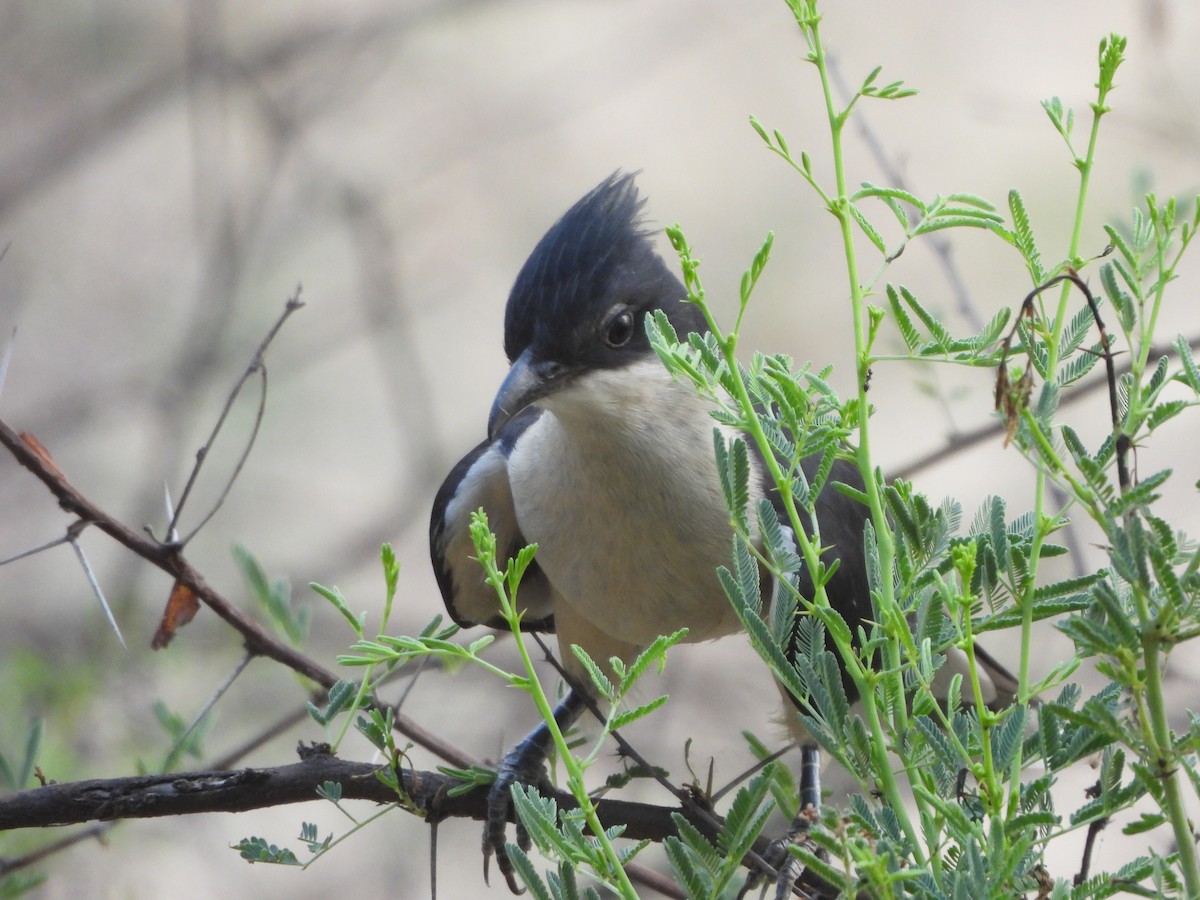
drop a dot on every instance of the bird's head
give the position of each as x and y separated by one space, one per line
580 302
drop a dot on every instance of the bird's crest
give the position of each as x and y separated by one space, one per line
600 245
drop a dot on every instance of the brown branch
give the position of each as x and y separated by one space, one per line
169 558
240 790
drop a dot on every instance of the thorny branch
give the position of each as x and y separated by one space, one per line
168 557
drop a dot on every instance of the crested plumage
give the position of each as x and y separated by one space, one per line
597 257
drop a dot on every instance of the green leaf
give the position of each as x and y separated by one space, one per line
1165 411
1076 330
908 331
733 465
868 229
1158 377
930 321
376 727
1076 367
1130 256
874 190
655 654
1120 300
539 815
527 872
1144 493
339 699
632 715
819 865
959 220
691 837
1190 374
1006 739
972 200
275 598
599 679
994 328
760 129
1023 234
697 883
745 820
334 596
256 849
1145 822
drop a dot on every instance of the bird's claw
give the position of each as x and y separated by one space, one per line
780 867
523 765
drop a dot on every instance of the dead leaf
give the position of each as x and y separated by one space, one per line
181 609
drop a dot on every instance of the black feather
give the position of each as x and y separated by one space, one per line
599 256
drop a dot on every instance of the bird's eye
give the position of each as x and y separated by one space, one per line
620 329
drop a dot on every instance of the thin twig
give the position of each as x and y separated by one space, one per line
256 365
268 734
96 589
189 793
741 777
1011 399
11 864
212 701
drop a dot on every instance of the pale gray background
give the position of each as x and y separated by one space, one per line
170 172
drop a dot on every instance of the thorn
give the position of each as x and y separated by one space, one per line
38 549
172 533
91 577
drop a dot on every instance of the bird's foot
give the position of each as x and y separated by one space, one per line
782 868
524 764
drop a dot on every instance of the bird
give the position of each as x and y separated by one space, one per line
599 456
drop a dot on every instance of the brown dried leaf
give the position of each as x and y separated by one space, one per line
182 607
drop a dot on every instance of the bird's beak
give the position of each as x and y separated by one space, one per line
526 383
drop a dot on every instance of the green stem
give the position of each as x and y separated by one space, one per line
1157 734
986 717
506 592
840 207
1085 166
574 772
893 672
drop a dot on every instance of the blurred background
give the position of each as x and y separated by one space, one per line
170 173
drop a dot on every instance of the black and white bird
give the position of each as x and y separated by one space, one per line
596 454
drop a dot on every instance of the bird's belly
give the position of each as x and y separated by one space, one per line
629 538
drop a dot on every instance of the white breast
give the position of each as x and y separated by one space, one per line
617 483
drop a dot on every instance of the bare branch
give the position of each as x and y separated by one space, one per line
189 793
169 558
256 365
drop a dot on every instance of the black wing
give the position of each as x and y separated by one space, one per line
480 479
842 521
